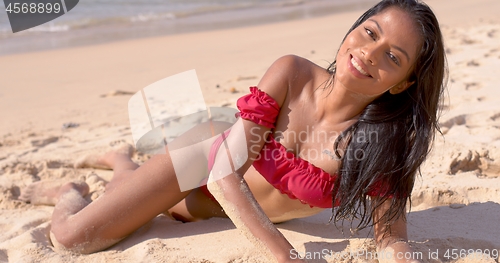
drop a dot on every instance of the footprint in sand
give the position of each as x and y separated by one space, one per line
434 197
472 86
241 78
472 120
473 63
492 33
457 120
485 162
465 162
117 93
468 41
20 167
44 142
491 164
491 53
495 116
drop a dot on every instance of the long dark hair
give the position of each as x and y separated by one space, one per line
393 135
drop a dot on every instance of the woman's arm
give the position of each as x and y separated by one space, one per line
392 245
240 205
230 189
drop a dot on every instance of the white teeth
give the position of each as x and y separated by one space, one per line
356 65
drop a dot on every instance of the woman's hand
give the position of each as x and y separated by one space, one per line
391 238
397 250
234 196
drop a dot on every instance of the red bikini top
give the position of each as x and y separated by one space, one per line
292 175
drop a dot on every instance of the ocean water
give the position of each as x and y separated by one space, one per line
99 21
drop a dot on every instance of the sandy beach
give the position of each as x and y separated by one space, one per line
58 105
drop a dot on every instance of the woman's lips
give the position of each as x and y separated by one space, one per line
357 69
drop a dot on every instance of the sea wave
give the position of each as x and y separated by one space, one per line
79 22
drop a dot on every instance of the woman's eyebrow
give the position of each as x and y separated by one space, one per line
376 23
394 46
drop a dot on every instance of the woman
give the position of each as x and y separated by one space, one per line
375 106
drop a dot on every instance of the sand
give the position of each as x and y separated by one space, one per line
57 106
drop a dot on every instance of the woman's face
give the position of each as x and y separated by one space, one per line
379 54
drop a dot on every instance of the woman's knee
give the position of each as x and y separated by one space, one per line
65 240
78 242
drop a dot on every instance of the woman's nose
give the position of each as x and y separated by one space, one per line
367 58
370 54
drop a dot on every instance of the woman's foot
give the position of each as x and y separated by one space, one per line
107 160
48 192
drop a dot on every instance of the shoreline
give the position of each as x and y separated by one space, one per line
114 31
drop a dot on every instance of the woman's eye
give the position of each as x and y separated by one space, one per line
370 33
394 58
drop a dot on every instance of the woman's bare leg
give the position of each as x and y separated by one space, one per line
118 159
139 194
146 192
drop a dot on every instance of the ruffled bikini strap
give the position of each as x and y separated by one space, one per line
258 107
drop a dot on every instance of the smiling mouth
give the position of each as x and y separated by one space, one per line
359 68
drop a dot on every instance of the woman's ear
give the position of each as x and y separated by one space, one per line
398 88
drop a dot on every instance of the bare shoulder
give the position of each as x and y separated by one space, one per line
290 73
299 67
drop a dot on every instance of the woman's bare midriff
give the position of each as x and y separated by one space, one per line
277 206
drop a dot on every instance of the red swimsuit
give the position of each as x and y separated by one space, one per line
293 176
